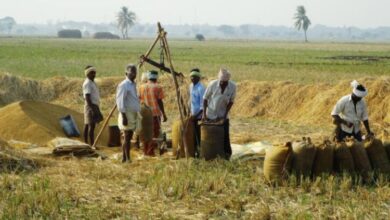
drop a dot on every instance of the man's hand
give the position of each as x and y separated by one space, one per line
348 124
165 118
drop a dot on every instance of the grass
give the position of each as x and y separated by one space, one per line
254 60
166 189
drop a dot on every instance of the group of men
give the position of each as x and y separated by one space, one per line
211 103
206 104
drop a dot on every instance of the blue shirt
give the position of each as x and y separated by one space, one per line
196 97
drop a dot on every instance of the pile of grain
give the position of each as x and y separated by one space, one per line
36 122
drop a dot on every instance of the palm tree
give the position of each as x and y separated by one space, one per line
125 19
301 20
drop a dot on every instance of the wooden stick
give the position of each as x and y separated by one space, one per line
178 96
104 126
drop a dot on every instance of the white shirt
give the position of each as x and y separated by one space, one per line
126 97
346 110
218 102
90 87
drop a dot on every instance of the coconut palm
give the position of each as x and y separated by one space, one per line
125 19
301 20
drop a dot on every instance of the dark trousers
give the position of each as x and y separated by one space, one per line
341 135
227 146
197 137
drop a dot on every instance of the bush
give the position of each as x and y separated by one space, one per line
105 35
200 37
69 33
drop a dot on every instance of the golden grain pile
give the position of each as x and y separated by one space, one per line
36 122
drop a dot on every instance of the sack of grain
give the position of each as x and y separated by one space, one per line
212 141
377 155
360 157
182 139
303 156
277 162
343 158
146 131
323 161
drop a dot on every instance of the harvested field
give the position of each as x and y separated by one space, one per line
286 91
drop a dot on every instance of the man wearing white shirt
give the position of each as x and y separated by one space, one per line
348 113
129 107
217 102
92 114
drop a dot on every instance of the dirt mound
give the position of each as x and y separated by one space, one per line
36 122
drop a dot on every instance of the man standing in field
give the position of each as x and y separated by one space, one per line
151 93
218 100
349 111
196 104
129 107
92 114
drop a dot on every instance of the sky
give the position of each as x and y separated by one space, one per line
337 13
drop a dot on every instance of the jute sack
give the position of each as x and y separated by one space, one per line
212 141
343 158
387 148
360 157
277 162
182 139
303 156
146 131
377 154
323 162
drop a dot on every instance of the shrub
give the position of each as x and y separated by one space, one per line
200 37
105 35
69 33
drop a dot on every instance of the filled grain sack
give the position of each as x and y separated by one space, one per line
212 141
183 139
360 157
303 155
377 155
146 131
343 158
323 161
277 162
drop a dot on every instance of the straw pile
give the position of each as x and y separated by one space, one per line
15 161
36 122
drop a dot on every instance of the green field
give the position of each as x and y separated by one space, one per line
253 60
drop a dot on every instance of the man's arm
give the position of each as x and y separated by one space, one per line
205 105
88 99
339 121
161 106
229 106
367 126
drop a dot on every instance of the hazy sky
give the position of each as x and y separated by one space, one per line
361 13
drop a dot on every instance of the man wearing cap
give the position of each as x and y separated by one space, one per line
196 104
92 114
129 107
217 102
349 111
151 93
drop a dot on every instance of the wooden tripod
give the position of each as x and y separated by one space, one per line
161 36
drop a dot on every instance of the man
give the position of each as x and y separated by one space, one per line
129 107
196 104
92 114
152 95
218 100
349 111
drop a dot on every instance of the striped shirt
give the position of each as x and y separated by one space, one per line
149 93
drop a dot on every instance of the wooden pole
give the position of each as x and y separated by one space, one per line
104 126
178 96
